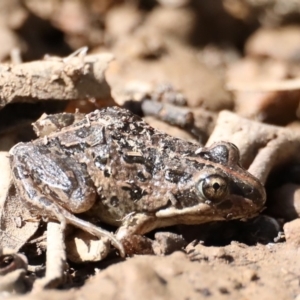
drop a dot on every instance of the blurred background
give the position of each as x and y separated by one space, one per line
210 51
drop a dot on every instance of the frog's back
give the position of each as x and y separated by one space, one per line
134 164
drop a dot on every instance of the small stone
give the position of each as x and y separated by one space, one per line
167 242
82 247
291 230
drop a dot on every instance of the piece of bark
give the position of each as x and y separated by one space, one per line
75 77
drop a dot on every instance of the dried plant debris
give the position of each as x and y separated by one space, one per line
76 77
56 258
179 64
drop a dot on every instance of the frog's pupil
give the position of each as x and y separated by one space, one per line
216 186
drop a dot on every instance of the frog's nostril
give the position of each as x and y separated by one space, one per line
248 190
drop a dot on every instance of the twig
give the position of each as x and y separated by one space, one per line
76 77
56 258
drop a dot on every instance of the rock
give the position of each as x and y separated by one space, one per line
167 243
291 230
82 247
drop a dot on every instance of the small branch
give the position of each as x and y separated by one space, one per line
56 258
76 77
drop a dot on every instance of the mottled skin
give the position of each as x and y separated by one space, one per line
114 166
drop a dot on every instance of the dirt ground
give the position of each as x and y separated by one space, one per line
203 71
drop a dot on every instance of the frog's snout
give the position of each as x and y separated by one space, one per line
255 192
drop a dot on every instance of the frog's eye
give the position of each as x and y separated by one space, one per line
213 187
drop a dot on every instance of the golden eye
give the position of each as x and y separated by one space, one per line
214 188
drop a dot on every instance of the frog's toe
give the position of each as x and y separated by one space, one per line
94 230
100 233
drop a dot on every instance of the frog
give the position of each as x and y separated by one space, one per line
112 166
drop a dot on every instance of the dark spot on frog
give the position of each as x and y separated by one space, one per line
136 193
114 201
116 136
106 173
131 126
47 191
153 161
100 160
124 143
141 176
45 202
131 159
82 132
150 160
44 150
175 176
168 145
186 199
198 165
79 147
19 174
32 193
218 154
36 178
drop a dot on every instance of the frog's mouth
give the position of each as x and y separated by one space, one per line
237 207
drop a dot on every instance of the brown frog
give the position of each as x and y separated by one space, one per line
114 166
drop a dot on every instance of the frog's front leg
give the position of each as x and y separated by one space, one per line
130 233
55 186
